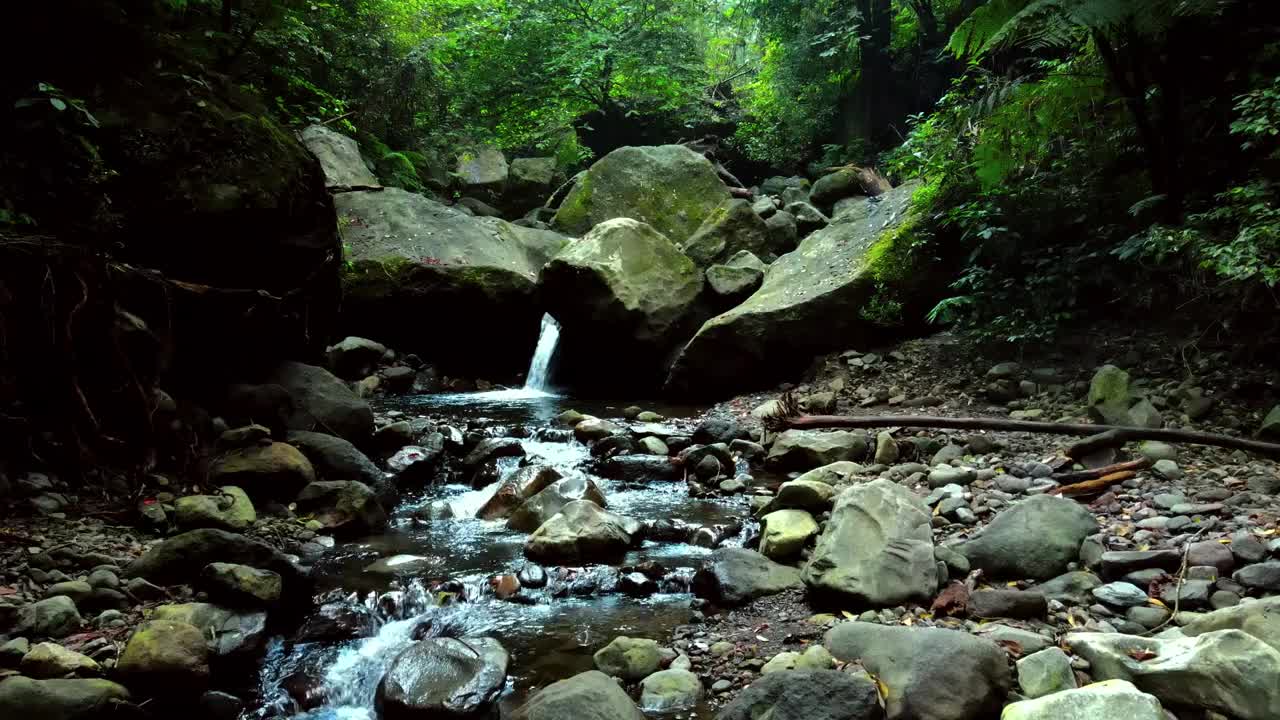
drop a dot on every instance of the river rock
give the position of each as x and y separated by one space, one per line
1110 397
802 494
334 458
181 558
549 501
1229 671
652 446
77 590
640 468
226 632
322 402
50 660
242 586
997 603
411 256
345 507
1260 619
806 695
733 576
731 228
670 691
785 532
581 531
669 187
444 678
339 158
1261 576
491 449
629 658
54 617
275 471
1109 700
738 278
165 656
231 510
482 171
803 307
354 358
337 621
808 449
623 294
22 697
519 487
529 182
1045 672
930 673
1036 538
590 695
877 547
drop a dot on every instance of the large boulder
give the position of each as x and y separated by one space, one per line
354 358
734 576
519 487
347 507
1108 700
670 691
624 295
737 278
1260 619
339 158
731 228
483 172
165 656
1037 538
784 533
469 280
669 187
590 695
443 678
241 585
322 402
630 659
846 183
548 502
877 548
530 182
806 695
809 449
226 632
1229 671
275 471
230 509
180 558
929 673
336 459
581 532
22 697
810 302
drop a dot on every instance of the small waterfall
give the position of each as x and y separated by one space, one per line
540 367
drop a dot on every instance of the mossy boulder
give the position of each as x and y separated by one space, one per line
624 294
273 471
670 187
229 509
731 228
339 158
88 699
468 283
735 280
483 172
346 507
397 170
813 300
165 656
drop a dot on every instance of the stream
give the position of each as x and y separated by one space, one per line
438 562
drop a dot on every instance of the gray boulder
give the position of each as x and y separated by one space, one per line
226 632
737 278
1229 671
1110 397
590 695
339 158
241 585
444 678
322 402
808 449
522 485
930 673
1109 700
334 458
582 531
731 228
877 548
530 182
806 695
180 558
483 172
274 471
54 617
784 233
1036 538
22 697
548 502
734 576
345 507
166 657
1260 619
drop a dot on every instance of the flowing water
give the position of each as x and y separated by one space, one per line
449 556
539 375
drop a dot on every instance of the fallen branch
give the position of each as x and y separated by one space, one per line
1193 437
1092 487
1094 474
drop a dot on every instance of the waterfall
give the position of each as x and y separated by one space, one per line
540 367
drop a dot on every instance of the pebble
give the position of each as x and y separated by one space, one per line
1120 594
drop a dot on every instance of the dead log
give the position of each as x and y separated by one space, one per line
789 421
1095 473
1090 488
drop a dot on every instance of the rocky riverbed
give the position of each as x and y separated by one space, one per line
544 557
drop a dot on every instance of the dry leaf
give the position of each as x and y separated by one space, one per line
1013 647
1140 654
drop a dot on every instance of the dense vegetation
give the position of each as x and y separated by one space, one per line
1078 155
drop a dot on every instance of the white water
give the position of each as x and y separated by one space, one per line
540 367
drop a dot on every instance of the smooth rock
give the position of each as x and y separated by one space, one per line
444 678
590 695
806 695
1045 672
733 576
670 690
1036 538
1109 700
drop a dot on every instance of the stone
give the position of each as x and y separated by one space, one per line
1212 554
784 232
806 695
1018 604
784 533
1247 549
802 494
345 507
808 449
1120 594
801 309
339 158
482 170
54 617
1229 671
815 657
1154 450
1260 618
1045 672
1036 538
76 699
886 449
1109 700
548 502
48 660
1270 426
322 401
12 651
1028 641
734 576
1118 563
227 632
877 547
734 284
444 677
1110 397
1144 414
492 448
1260 576
1168 470
731 228
521 485
631 659
670 691
242 586
231 509
181 558
581 531
592 429
276 471
947 475
77 590
930 673
652 446
165 655
354 358
590 695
